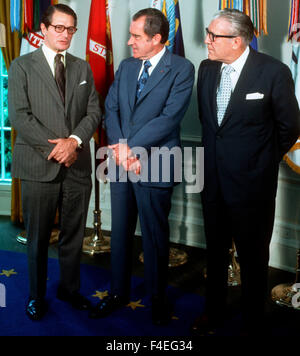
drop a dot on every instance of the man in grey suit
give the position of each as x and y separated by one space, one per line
55 110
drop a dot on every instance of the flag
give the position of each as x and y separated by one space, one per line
99 54
170 8
231 4
2 35
293 156
15 9
178 46
44 4
294 26
255 9
27 16
31 42
36 15
169 11
157 4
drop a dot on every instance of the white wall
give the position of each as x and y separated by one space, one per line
195 16
186 215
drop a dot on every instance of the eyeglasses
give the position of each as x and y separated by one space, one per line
212 36
61 28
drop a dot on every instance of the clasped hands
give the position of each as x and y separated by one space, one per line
64 151
123 155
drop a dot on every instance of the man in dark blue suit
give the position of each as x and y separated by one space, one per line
246 131
144 107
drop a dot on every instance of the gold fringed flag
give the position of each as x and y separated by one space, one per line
293 156
170 9
99 54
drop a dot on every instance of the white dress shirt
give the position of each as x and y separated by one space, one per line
154 61
50 57
237 66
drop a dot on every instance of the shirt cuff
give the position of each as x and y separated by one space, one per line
79 141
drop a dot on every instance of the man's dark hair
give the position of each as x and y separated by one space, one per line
47 15
155 22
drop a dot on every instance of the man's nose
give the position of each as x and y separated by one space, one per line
130 41
207 39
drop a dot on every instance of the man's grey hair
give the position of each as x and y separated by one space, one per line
242 25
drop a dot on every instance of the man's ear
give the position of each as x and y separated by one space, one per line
43 29
156 39
237 43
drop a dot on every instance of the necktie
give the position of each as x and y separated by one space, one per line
224 92
60 76
143 78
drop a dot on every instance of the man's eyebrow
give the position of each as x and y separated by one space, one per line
133 34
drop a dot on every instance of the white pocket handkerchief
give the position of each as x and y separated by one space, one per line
254 96
83 82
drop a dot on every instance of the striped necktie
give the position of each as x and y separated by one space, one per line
60 76
143 78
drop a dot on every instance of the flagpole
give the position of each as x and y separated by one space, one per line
99 55
96 243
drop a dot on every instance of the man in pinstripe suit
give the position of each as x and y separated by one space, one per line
54 108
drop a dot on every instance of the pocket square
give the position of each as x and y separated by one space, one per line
254 96
83 82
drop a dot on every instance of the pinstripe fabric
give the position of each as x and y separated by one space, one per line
37 113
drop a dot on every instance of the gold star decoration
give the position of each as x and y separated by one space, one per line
8 273
100 294
134 305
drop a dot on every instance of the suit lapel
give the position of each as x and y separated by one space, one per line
133 71
248 76
71 78
161 69
41 66
215 80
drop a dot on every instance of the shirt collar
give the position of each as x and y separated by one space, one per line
239 63
50 55
155 59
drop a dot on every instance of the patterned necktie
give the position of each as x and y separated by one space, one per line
224 92
60 76
143 78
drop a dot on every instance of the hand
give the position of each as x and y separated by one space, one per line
64 151
121 152
132 164
72 159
